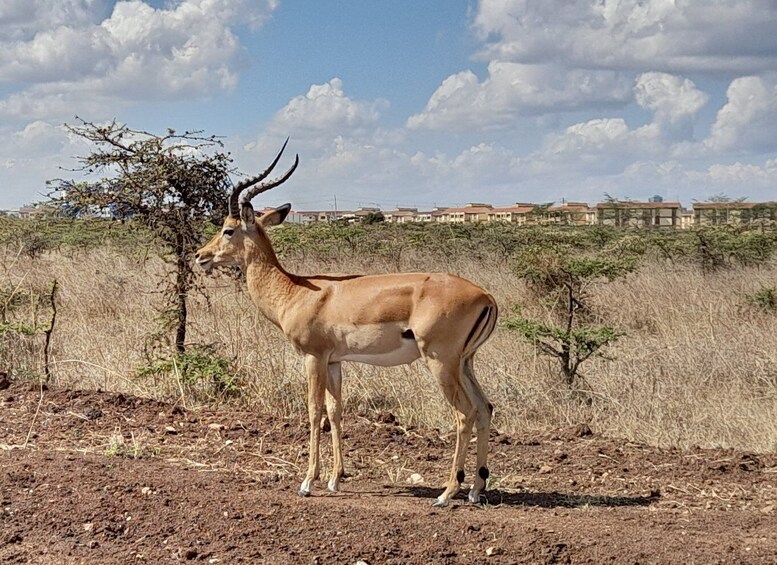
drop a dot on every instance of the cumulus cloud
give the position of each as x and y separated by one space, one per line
137 52
723 36
462 101
23 19
747 119
339 137
326 108
601 144
675 100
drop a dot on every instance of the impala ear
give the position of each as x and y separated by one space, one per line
275 217
247 215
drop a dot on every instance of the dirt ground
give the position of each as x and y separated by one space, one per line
96 477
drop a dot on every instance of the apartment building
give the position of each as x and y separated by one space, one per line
638 214
402 215
474 212
567 214
610 213
518 213
735 213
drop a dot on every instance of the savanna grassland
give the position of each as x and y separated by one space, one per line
657 447
695 363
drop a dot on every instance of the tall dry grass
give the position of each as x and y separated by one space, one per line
696 366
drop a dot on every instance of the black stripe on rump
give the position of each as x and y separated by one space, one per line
480 319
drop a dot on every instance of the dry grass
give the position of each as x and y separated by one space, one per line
696 366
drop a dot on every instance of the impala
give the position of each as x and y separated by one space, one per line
385 320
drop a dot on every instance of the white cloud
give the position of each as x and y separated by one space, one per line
600 145
462 101
326 108
642 35
748 117
741 175
32 155
674 100
23 19
137 53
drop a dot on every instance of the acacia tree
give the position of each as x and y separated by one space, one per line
561 280
173 184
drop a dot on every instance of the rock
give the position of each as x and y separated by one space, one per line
415 479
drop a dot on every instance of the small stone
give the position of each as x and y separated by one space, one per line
170 430
88 527
491 551
415 479
146 491
545 469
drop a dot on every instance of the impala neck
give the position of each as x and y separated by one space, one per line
269 285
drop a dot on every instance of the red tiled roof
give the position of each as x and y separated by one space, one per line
513 210
469 210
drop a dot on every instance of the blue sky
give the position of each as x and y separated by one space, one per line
406 102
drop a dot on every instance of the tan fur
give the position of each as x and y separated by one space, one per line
331 318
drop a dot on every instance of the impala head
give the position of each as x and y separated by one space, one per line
243 231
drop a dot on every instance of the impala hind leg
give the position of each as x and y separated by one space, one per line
448 376
317 380
483 411
334 409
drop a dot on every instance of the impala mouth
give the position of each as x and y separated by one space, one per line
206 264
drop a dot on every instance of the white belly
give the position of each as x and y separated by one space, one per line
406 353
376 344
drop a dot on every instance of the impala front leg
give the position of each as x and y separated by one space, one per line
317 377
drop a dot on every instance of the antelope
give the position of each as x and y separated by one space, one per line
385 320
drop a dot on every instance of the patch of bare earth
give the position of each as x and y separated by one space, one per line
94 477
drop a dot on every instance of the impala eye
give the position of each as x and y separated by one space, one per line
228 233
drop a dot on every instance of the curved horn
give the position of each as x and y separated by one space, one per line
234 205
235 200
265 186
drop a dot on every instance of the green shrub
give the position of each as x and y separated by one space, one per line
201 371
764 299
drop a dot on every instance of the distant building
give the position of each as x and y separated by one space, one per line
638 214
518 214
617 213
686 219
721 213
402 215
474 212
311 217
567 214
